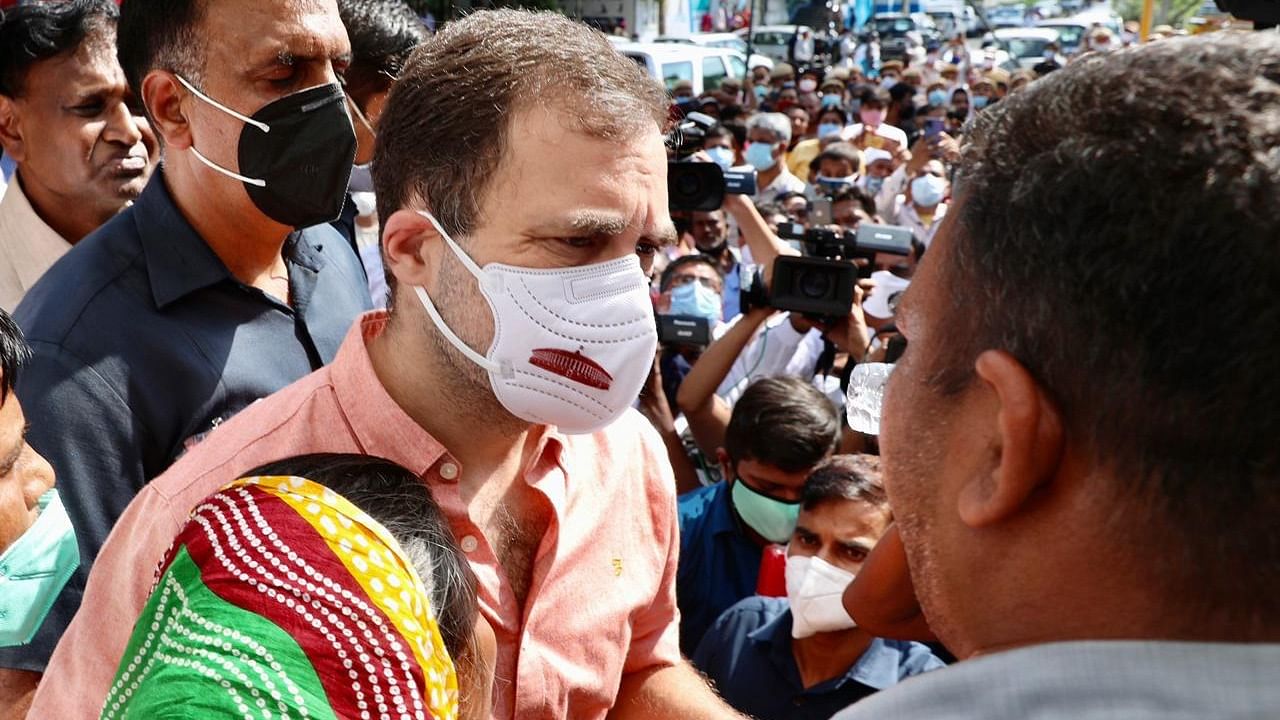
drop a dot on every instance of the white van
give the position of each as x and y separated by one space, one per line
705 68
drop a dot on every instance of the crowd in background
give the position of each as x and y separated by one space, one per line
341 395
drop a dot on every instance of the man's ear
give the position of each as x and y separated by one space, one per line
163 96
11 129
1028 440
411 246
726 465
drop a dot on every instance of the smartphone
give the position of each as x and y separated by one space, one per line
820 214
933 127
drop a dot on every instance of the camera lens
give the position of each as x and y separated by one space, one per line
689 186
816 285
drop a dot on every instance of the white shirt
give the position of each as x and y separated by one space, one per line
1116 680
28 246
885 130
908 217
776 350
781 185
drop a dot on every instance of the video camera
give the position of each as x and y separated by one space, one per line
695 185
684 330
821 283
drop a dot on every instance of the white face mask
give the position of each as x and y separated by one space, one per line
815 589
571 346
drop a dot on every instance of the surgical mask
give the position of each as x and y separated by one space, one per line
874 184
693 299
571 346
760 91
34 569
888 83
937 98
979 101
295 155
871 118
807 85
831 100
773 519
722 156
833 185
815 591
760 156
927 190
825 129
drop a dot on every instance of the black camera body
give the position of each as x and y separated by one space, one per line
684 330
700 186
821 284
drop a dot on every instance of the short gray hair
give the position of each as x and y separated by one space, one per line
776 123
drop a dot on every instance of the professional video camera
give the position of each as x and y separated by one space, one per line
700 186
821 283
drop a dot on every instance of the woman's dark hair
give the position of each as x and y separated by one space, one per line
399 500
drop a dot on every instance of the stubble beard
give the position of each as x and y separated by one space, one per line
470 392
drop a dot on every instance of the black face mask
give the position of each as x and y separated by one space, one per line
295 155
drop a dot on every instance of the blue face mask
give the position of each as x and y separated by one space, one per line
775 520
826 129
831 100
34 569
979 101
937 98
722 156
874 184
928 190
694 300
760 156
761 91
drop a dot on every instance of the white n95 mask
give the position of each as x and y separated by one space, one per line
572 347
815 590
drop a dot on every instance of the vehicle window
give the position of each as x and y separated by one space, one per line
895 26
737 67
731 44
712 73
674 72
1026 47
1070 35
772 38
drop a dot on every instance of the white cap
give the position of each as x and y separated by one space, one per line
871 155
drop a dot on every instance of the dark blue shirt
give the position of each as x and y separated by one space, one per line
719 564
747 655
143 343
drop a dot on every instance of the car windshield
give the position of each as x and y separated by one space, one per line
772 38
1069 34
894 26
1023 47
731 44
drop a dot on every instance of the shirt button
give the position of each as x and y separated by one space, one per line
469 544
449 471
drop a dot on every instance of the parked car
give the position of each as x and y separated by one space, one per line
670 63
1025 45
727 41
1006 16
774 41
902 35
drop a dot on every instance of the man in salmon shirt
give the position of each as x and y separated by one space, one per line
521 182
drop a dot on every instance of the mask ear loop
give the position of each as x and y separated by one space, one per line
475 357
257 182
364 120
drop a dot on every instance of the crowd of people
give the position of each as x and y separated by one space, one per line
346 371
